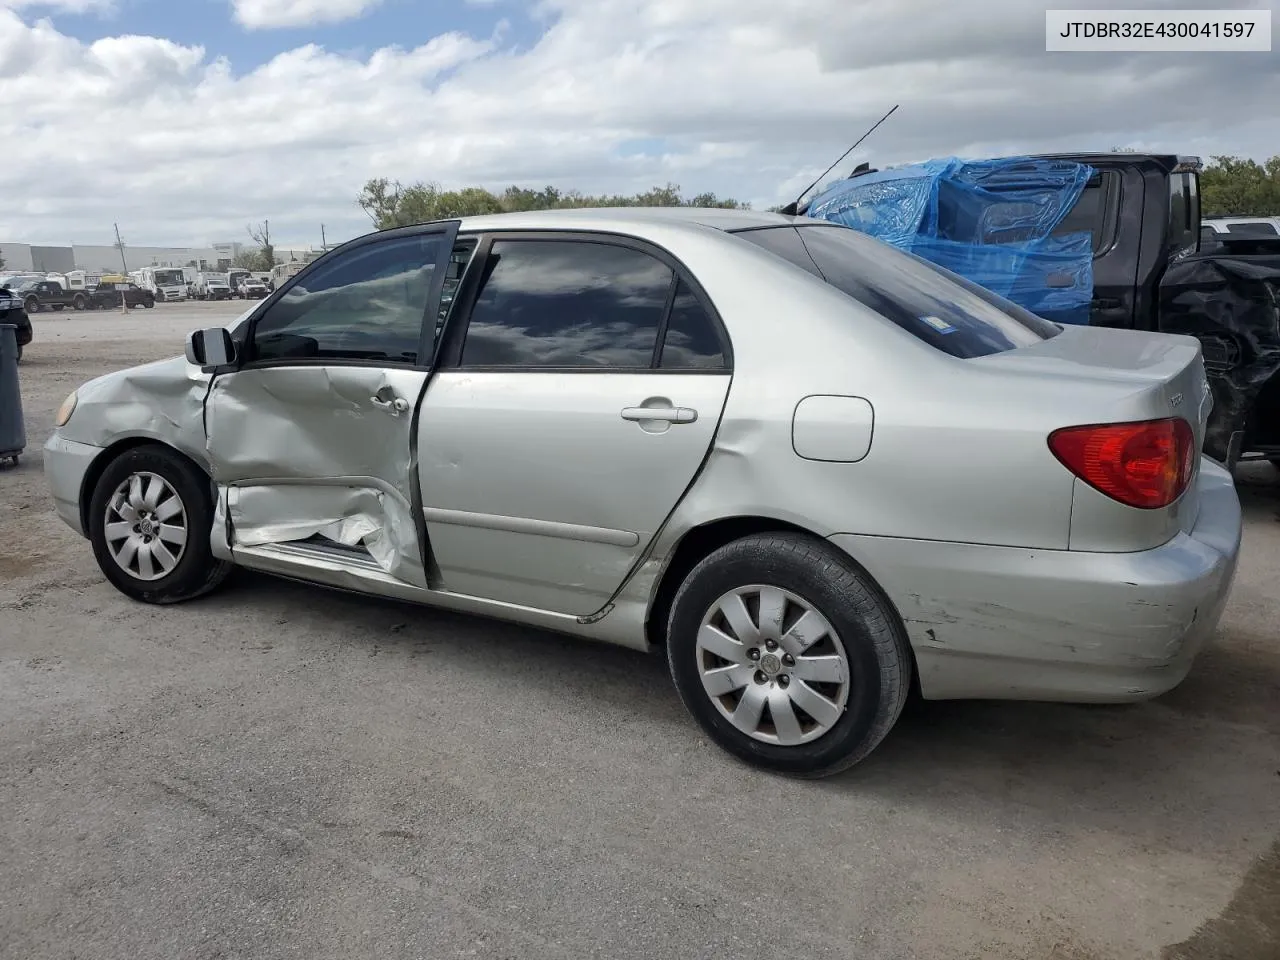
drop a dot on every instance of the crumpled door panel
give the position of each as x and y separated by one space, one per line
306 451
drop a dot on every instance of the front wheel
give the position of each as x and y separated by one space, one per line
31 305
788 655
79 302
149 522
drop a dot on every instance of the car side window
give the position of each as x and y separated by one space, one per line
567 303
692 341
368 303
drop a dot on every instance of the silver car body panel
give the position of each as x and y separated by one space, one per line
539 492
544 506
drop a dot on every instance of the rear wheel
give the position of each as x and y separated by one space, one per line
149 522
787 654
80 302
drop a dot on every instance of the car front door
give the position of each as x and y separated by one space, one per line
310 437
579 388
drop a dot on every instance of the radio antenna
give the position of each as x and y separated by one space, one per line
793 208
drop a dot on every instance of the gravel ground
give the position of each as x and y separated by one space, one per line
281 771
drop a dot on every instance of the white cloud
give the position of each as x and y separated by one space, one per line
749 98
264 14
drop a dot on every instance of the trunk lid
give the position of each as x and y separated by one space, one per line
1092 375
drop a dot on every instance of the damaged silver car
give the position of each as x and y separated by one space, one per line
811 470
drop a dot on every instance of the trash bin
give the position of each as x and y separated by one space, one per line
13 431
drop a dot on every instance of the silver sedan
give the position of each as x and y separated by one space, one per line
812 471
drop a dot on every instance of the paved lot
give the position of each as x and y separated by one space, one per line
281 771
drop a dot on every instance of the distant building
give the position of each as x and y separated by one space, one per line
104 258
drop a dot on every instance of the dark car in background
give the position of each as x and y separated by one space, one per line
109 293
13 312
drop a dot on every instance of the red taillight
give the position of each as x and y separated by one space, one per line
1147 464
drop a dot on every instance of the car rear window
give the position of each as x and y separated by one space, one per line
939 307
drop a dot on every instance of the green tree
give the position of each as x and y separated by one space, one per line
389 203
1231 186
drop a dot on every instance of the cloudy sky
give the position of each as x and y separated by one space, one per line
186 119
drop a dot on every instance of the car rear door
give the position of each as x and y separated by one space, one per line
579 389
310 438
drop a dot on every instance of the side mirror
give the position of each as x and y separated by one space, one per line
211 348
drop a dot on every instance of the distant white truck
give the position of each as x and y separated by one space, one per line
211 286
165 283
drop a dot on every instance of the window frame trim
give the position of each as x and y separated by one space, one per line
453 337
446 228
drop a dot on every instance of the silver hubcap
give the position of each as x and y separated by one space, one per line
146 527
773 665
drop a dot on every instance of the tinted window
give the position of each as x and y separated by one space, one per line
365 304
562 303
945 310
1090 213
691 341
1184 213
1254 227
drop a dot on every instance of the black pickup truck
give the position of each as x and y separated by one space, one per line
1150 273
39 294
109 293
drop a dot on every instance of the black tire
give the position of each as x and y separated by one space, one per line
19 353
197 571
31 305
148 304
79 301
875 643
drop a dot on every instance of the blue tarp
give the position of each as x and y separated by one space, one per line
996 222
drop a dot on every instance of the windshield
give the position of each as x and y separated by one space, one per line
169 276
935 305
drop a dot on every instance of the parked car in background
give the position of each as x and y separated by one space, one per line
251 288
606 432
109 293
1215 233
38 295
13 311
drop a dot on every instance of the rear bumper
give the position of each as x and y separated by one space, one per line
1011 623
65 465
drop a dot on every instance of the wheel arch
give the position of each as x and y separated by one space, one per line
701 541
110 454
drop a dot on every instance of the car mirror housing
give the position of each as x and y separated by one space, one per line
211 348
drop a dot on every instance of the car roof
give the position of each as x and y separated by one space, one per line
624 219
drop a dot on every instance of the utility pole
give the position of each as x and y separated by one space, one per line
124 264
120 247
323 245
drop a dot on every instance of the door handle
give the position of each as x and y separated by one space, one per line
394 407
664 414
